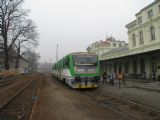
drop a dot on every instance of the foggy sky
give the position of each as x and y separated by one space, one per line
75 24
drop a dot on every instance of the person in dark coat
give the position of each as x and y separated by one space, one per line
104 78
154 74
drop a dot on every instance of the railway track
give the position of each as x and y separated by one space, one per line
6 83
130 110
21 104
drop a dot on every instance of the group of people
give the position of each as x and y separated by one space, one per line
112 77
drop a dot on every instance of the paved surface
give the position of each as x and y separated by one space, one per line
144 93
58 102
151 86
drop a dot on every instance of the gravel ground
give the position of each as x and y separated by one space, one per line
58 102
8 91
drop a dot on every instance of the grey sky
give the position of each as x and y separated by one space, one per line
75 24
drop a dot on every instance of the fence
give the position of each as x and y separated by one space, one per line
10 73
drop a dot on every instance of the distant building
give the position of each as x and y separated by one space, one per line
23 63
142 56
101 47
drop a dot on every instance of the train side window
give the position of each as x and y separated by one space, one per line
55 67
66 62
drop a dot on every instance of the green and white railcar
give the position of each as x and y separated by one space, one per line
78 70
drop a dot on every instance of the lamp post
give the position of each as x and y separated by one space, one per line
57 53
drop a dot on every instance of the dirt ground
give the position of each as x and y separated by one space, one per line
57 101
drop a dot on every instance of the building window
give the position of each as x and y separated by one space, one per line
152 32
139 19
141 39
134 40
114 44
150 13
120 44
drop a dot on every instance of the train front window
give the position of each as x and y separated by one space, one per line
90 60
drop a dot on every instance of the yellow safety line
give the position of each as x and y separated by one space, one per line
35 102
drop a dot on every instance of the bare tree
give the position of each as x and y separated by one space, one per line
1 46
13 24
27 39
32 58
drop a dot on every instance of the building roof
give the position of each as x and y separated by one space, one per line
131 24
22 58
107 41
147 7
115 50
134 22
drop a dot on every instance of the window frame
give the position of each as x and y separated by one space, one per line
140 19
152 33
133 40
120 44
114 44
141 38
150 13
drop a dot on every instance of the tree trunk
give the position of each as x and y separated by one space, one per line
6 56
18 57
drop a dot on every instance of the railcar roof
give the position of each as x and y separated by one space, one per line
76 53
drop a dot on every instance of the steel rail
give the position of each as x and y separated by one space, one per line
12 98
111 108
120 113
6 83
122 99
35 102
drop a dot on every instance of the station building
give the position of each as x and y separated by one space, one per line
101 47
142 55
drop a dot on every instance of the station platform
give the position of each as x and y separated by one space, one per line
147 93
149 85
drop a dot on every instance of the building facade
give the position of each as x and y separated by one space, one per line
144 32
142 56
101 47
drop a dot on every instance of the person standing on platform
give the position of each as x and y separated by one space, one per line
111 77
114 77
105 78
121 77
